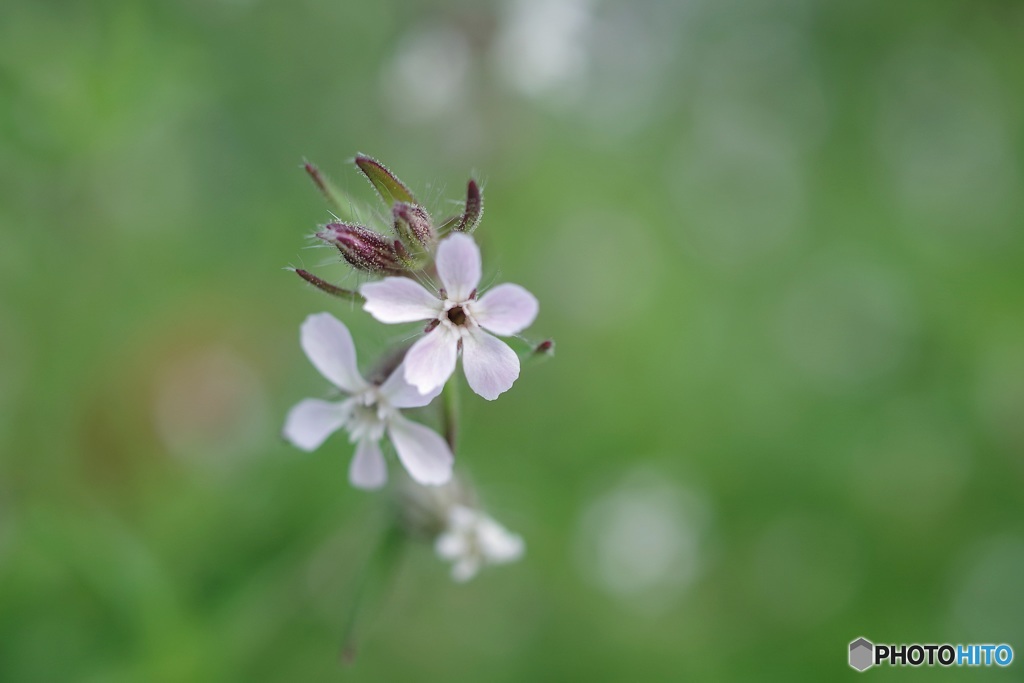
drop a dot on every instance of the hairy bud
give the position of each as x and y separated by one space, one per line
413 225
362 247
474 209
388 186
469 219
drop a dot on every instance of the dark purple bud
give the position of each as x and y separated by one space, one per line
469 219
402 252
362 247
474 209
325 286
413 225
545 348
388 186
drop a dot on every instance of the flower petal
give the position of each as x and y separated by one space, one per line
426 455
462 519
329 347
400 394
367 470
431 360
399 300
491 367
311 421
499 545
506 309
458 265
451 546
466 568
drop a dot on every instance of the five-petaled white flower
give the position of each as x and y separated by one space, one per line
472 539
458 320
368 412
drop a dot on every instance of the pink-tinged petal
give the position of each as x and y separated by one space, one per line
368 470
491 367
431 360
311 421
399 300
458 265
400 394
506 309
329 347
423 452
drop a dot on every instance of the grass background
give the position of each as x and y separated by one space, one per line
779 246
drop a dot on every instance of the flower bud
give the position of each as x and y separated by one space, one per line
362 247
388 186
327 287
424 509
413 225
474 209
470 217
545 348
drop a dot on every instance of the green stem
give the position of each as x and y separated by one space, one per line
375 575
450 406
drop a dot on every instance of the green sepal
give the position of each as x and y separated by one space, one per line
345 208
388 186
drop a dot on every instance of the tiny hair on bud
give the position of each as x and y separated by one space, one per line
338 199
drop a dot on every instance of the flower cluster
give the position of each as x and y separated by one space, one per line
461 532
419 271
472 539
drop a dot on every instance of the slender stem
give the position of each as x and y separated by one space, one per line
378 569
450 406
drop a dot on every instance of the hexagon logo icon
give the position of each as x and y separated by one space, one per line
862 654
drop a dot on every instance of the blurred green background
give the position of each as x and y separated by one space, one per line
779 245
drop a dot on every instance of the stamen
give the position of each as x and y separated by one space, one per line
457 315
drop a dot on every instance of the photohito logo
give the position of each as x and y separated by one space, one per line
864 654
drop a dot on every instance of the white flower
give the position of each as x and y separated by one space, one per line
472 539
368 413
459 319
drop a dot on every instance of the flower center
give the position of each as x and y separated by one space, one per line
457 315
369 417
